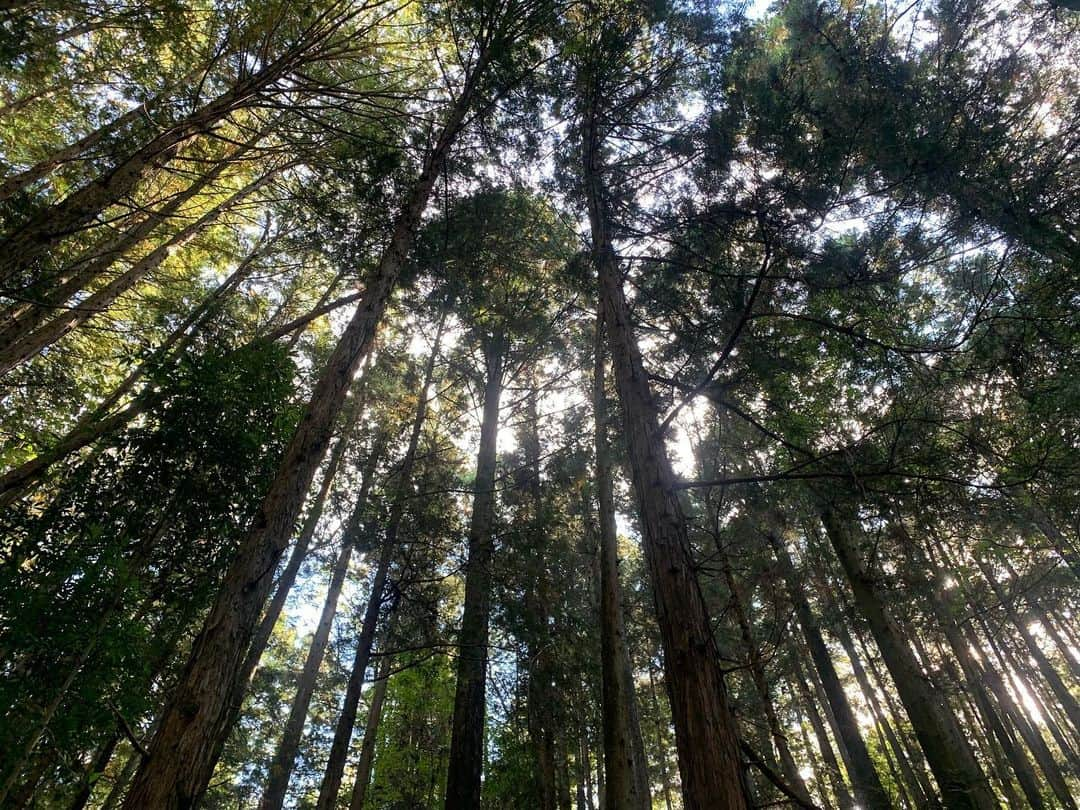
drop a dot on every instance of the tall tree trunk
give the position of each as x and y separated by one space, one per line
946 609
540 702
14 183
371 737
339 748
282 765
181 756
710 759
97 424
953 763
920 790
757 674
831 764
866 784
467 735
1066 701
626 777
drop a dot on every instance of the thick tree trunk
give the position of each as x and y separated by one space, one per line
371 738
865 782
710 759
282 765
181 756
467 735
953 763
626 776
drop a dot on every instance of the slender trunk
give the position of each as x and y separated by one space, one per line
467 735
14 183
662 748
540 703
710 759
116 793
757 674
921 792
831 764
97 423
869 792
29 243
953 763
339 748
16 349
371 737
625 774
94 770
14 483
1066 701
285 757
181 755
945 610
40 300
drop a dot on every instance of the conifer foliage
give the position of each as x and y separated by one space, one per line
494 404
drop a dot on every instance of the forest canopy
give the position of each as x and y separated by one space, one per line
555 404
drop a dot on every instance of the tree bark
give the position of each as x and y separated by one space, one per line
467 734
1068 703
626 777
710 759
34 239
869 792
181 755
953 763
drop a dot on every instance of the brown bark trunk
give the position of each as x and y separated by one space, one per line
181 756
710 759
467 735
626 777
371 737
869 792
959 777
945 609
